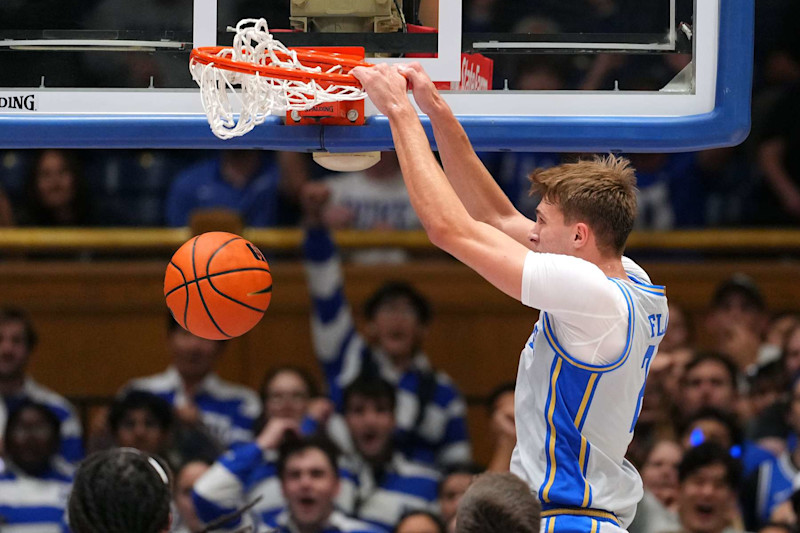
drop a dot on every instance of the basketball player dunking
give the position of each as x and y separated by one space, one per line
583 370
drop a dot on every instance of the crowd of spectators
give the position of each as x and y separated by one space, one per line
383 444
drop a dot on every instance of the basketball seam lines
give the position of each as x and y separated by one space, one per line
185 284
200 293
208 267
215 274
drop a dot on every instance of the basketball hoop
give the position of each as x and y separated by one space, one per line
271 78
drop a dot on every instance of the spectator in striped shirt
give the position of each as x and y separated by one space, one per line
378 484
198 394
249 471
431 424
18 340
34 484
309 479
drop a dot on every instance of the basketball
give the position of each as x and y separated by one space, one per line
218 285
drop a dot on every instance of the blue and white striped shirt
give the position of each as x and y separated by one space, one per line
228 410
246 473
382 498
71 447
33 504
337 523
441 436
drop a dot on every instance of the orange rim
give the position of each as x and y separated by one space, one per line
206 55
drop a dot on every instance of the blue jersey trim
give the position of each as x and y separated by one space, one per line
552 340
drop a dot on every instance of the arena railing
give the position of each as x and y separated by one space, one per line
166 240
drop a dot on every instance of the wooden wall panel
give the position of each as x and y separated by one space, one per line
103 323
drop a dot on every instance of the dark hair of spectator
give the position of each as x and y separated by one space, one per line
739 284
709 454
703 357
38 213
14 416
372 388
293 445
15 314
120 491
139 400
467 469
395 290
498 503
302 373
440 526
712 413
503 388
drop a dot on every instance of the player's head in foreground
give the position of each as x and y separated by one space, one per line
498 503
121 490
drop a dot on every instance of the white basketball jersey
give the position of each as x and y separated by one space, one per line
575 420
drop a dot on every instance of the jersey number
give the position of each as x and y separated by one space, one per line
648 358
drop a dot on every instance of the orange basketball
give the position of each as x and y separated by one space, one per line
218 285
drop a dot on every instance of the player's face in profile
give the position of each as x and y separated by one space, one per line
140 429
418 523
705 500
453 488
286 396
397 328
32 442
193 356
550 234
309 486
184 482
708 385
371 424
13 349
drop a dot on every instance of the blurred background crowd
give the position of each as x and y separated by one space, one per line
375 432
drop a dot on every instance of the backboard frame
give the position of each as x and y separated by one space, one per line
717 114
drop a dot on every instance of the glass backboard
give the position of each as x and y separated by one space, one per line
586 75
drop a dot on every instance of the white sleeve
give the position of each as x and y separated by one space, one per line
590 310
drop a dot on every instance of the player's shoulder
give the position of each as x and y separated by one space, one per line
635 271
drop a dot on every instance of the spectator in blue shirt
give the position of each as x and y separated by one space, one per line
34 485
245 181
18 339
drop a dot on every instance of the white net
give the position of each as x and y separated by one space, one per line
260 96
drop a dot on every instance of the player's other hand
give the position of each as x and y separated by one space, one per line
385 86
426 95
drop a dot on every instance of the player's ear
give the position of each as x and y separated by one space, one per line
580 235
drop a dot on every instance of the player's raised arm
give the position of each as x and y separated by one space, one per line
475 187
490 252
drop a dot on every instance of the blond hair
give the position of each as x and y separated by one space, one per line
600 192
